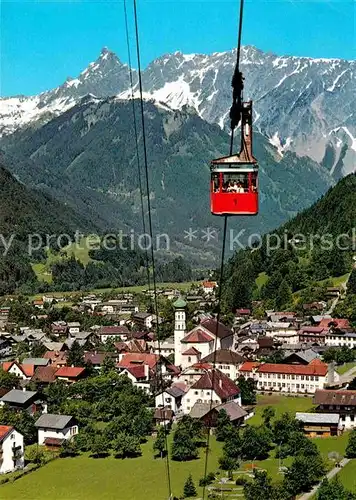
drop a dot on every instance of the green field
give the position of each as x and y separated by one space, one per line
261 280
85 478
345 367
347 476
281 404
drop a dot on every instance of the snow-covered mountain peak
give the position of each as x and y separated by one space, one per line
298 100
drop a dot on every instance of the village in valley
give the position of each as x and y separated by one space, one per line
100 375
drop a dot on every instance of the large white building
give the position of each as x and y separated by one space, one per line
340 339
11 449
290 378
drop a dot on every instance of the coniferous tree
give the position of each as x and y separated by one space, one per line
351 445
159 445
189 488
223 427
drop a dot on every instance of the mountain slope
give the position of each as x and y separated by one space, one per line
25 211
302 104
318 244
335 213
27 219
91 151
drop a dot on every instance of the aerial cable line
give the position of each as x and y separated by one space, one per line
136 143
151 235
235 116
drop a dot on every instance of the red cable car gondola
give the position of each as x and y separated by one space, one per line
234 179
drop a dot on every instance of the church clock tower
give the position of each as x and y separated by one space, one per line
179 329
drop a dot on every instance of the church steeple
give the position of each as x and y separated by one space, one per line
179 329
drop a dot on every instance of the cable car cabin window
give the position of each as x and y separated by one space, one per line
234 183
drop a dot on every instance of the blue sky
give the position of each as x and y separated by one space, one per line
43 42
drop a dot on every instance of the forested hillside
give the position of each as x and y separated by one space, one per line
87 158
301 256
26 214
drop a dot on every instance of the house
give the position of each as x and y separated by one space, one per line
57 358
36 362
209 287
226 361
165 347
290 378
11 449
209 415
242 313
59 328
163 416
171 397
74 327
95 358
192 374
300 357
5 348
340 402
54 429
22 400
113 333
70 374
340 324
44 375
319 424
339 338
143 320
213 386
312 334
38 303
24 372
55 346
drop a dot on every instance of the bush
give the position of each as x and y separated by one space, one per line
205 481
241 481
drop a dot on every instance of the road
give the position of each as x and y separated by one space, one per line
329 475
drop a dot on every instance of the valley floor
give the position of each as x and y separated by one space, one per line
86 478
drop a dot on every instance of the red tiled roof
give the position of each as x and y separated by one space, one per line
121 346
113 330
69 371
45 374
4 431
312 329
27 370
209 284
317 369
338 323
137 371
96 358
248 366
192 351
223 386
329 397
197 335
135 358
316 362
243 311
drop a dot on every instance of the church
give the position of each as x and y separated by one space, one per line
207 337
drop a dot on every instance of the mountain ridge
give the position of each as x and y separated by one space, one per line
302 104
